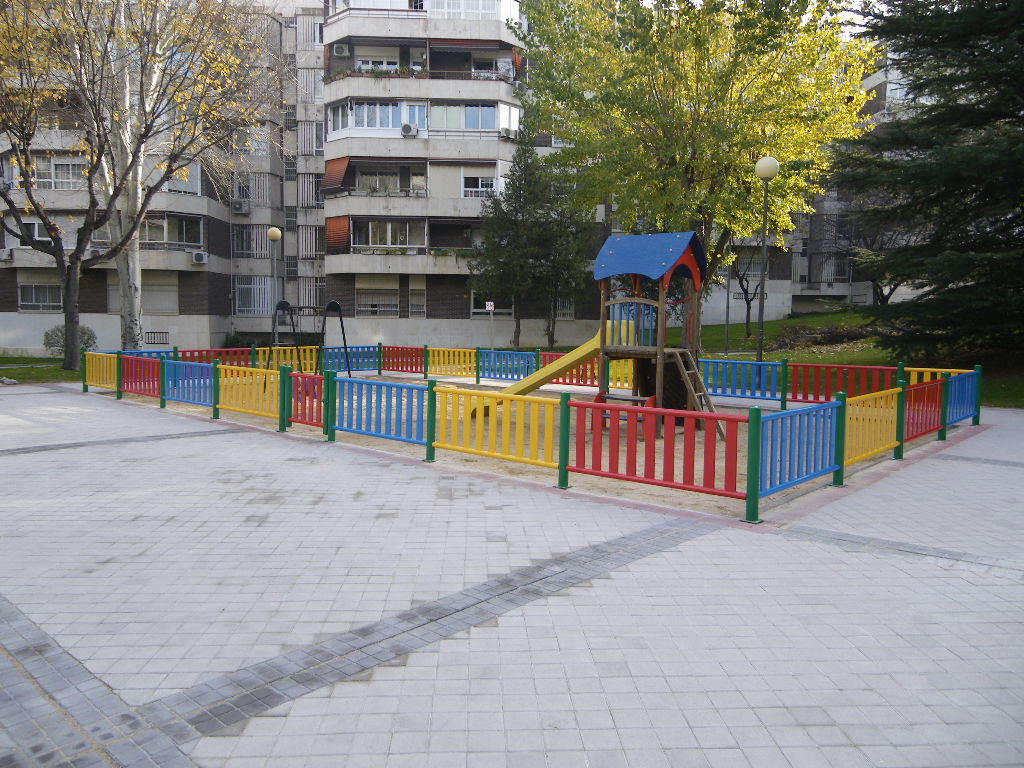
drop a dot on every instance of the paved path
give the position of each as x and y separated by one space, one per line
181 592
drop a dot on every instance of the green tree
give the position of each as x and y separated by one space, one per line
130 94
667 105
534 242
950 169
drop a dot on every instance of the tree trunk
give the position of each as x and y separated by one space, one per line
129 273
552 319
515 327
69 294
746 321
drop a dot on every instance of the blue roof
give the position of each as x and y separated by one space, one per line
653 256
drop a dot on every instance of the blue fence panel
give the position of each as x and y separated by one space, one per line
160 354
506 365
382 409
361 358
189 382
797 446
741 378
644 319
963 397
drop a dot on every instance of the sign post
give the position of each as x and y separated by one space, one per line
489 308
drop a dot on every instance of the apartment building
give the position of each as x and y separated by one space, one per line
421 121
209 268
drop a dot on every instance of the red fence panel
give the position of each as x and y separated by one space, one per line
819 383
620 441
239 356
402 359
584 375
307 399
140 375
923 412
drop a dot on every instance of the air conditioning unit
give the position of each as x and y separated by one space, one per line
241 206
508 133
200 257
409 130
7 254
340 49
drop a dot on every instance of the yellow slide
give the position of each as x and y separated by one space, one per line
561 366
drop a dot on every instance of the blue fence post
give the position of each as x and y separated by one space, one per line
976 418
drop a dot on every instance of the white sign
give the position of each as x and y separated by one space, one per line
488 306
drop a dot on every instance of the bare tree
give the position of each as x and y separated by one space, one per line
140 91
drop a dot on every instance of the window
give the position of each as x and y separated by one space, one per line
250 241
417 115
470 117
252 294
254 187
480 117
171 231
36 231
479 306
337 117
311 241
311 85
312 291
309 190
60 173
383 63
318 33
39 298
417 302
478 186
311 138
372 114
445 117
389 233
376 303
377 181
253 141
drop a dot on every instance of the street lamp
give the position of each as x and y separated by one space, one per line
766 169
273 235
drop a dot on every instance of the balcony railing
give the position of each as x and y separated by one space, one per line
355 192
432 74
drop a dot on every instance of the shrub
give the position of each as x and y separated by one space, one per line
53 339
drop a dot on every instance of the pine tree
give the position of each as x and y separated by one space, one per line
950 168
533 245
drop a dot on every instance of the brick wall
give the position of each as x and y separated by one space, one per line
204 293
342 288
403 295
8 290
218 291
448 297
92 291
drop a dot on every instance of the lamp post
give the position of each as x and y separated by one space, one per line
274 236
766 169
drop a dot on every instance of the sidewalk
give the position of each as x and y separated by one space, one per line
181 592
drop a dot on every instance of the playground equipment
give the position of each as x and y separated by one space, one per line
635 328
283 308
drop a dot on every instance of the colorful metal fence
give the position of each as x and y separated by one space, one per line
447 361
99 370
382 409
819 383
964 397
871 425
140 375
919 375
402 359
608 444
620 372
307 399
632 323
302 359
738 378
505 365
189 382
797 446
518 428
923 409
227 356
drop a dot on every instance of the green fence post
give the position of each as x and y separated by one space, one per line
330 405
120 373
477 359
753 465
163 383
253 359
784 384
284 397
426 361
976 419
900 373
175 354
901 418
431 420
380 358
536 360
945 406
840 454
564 417
216 388
85 386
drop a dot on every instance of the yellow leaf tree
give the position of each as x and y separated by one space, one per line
141 91
664 107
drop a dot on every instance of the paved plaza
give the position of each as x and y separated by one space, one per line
182 592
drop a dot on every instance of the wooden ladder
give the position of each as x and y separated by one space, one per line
695 384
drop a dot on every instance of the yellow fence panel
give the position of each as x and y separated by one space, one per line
299 359
452 362
101 370
249 390
620 374
918 375
513 427
871 425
